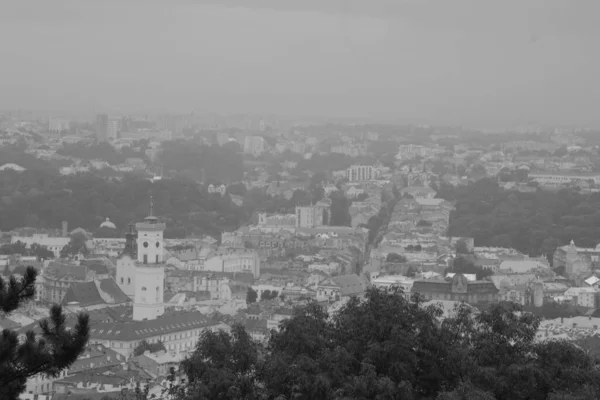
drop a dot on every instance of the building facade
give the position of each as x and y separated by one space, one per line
360 173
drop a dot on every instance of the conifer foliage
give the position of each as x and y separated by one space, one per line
55 348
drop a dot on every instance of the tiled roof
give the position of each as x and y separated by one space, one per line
110 288
136 330
60 270
84 293
104 291
98 268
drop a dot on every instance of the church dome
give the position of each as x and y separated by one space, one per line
108 224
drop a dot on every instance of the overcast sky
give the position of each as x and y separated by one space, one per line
447 61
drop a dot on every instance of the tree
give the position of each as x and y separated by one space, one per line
340 210
461 247
76 245
387 347
465 266
55 349
395 258
251 296
222 367
41 252
411 272
265 295
151 347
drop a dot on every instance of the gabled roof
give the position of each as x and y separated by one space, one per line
104 291
84 293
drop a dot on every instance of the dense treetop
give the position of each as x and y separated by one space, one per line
202 162
387 347
533 223
38 199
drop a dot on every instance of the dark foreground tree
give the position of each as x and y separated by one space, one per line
386 347
151 347
49 352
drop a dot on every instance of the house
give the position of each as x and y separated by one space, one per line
341 287
158 364
458 289
522 266
178 331
583 296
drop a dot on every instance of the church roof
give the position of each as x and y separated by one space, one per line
84 293
103 291
108 224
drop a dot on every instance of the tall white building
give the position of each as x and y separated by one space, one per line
141 269
58 124
310 216
254 145
112 128
360 173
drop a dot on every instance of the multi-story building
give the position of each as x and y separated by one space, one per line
102 127
459 289
254 145
178 331
235 261
563 179
58 125
107 127
57 278
312 216
53 243
360 173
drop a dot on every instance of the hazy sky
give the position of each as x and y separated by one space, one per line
446 61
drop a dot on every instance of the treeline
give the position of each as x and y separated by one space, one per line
103 151
44 200
202 162
533 223
16 155
387 347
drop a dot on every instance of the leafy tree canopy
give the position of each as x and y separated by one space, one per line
533 223
387 347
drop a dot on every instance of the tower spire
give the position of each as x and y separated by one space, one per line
151 206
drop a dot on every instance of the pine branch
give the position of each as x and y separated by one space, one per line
55 349
17 291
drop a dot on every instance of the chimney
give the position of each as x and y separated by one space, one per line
65 228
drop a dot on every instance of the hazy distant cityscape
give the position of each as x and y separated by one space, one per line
327 200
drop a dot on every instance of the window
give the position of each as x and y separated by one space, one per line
122 280
145 244
129 281
143 288
157 245
157 258
145 259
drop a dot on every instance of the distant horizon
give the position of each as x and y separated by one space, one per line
459 63
321 119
